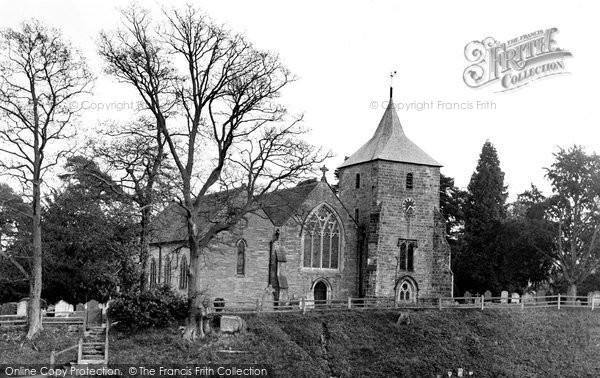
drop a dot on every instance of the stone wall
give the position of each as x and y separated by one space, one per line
380 202
218 275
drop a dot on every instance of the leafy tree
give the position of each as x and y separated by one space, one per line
14 228
39 74
452 200
88 239
475 265
575 207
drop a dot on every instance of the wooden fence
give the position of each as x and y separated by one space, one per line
50 318
306 305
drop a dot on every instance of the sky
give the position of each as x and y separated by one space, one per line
343 52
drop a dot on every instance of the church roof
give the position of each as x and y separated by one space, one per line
279 206
390 143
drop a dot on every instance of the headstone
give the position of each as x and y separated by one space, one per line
22 307
94 312
515 298
80 307
478 299
487 295
594 297
468 296
578 303
528 297
61 309
403 319
232 324
504 296
9 308
267 299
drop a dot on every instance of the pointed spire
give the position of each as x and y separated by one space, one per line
390 143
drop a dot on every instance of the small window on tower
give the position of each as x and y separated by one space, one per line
356 214
409 181
357 181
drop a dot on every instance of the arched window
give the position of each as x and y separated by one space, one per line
409 181
406 292
183 273
168 270
407 251
322 243
241 257
153 272
357 181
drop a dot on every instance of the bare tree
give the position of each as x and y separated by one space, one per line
40 73
229 134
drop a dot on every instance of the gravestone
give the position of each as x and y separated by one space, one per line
487 295
80 307
504 296
515 298
9 308
594 297
232 324
62 308
22 307
94 313
267 302
478 299
468 297
528 297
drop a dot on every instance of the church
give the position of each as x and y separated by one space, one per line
380 235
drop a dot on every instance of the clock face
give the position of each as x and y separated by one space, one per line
408 205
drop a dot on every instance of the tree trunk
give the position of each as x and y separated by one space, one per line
35 284
194 321
144 247
572 292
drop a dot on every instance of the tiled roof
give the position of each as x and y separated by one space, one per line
390 143
279 206
282 204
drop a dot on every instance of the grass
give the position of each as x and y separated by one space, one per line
499 343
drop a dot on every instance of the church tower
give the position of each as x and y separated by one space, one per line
391 186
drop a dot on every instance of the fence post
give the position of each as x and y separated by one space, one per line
522 304
440 302
52 359
257 304
349 303
482 302
593 303
303 305
558 301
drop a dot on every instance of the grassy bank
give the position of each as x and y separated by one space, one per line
511 343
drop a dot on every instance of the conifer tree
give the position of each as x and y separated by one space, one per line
484 209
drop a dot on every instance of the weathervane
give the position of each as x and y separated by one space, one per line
392 74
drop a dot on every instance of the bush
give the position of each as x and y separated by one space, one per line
158 307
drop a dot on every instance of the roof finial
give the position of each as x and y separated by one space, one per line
324 170
392 74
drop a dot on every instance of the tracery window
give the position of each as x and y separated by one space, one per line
322 240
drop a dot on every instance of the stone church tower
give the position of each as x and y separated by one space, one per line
391 186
